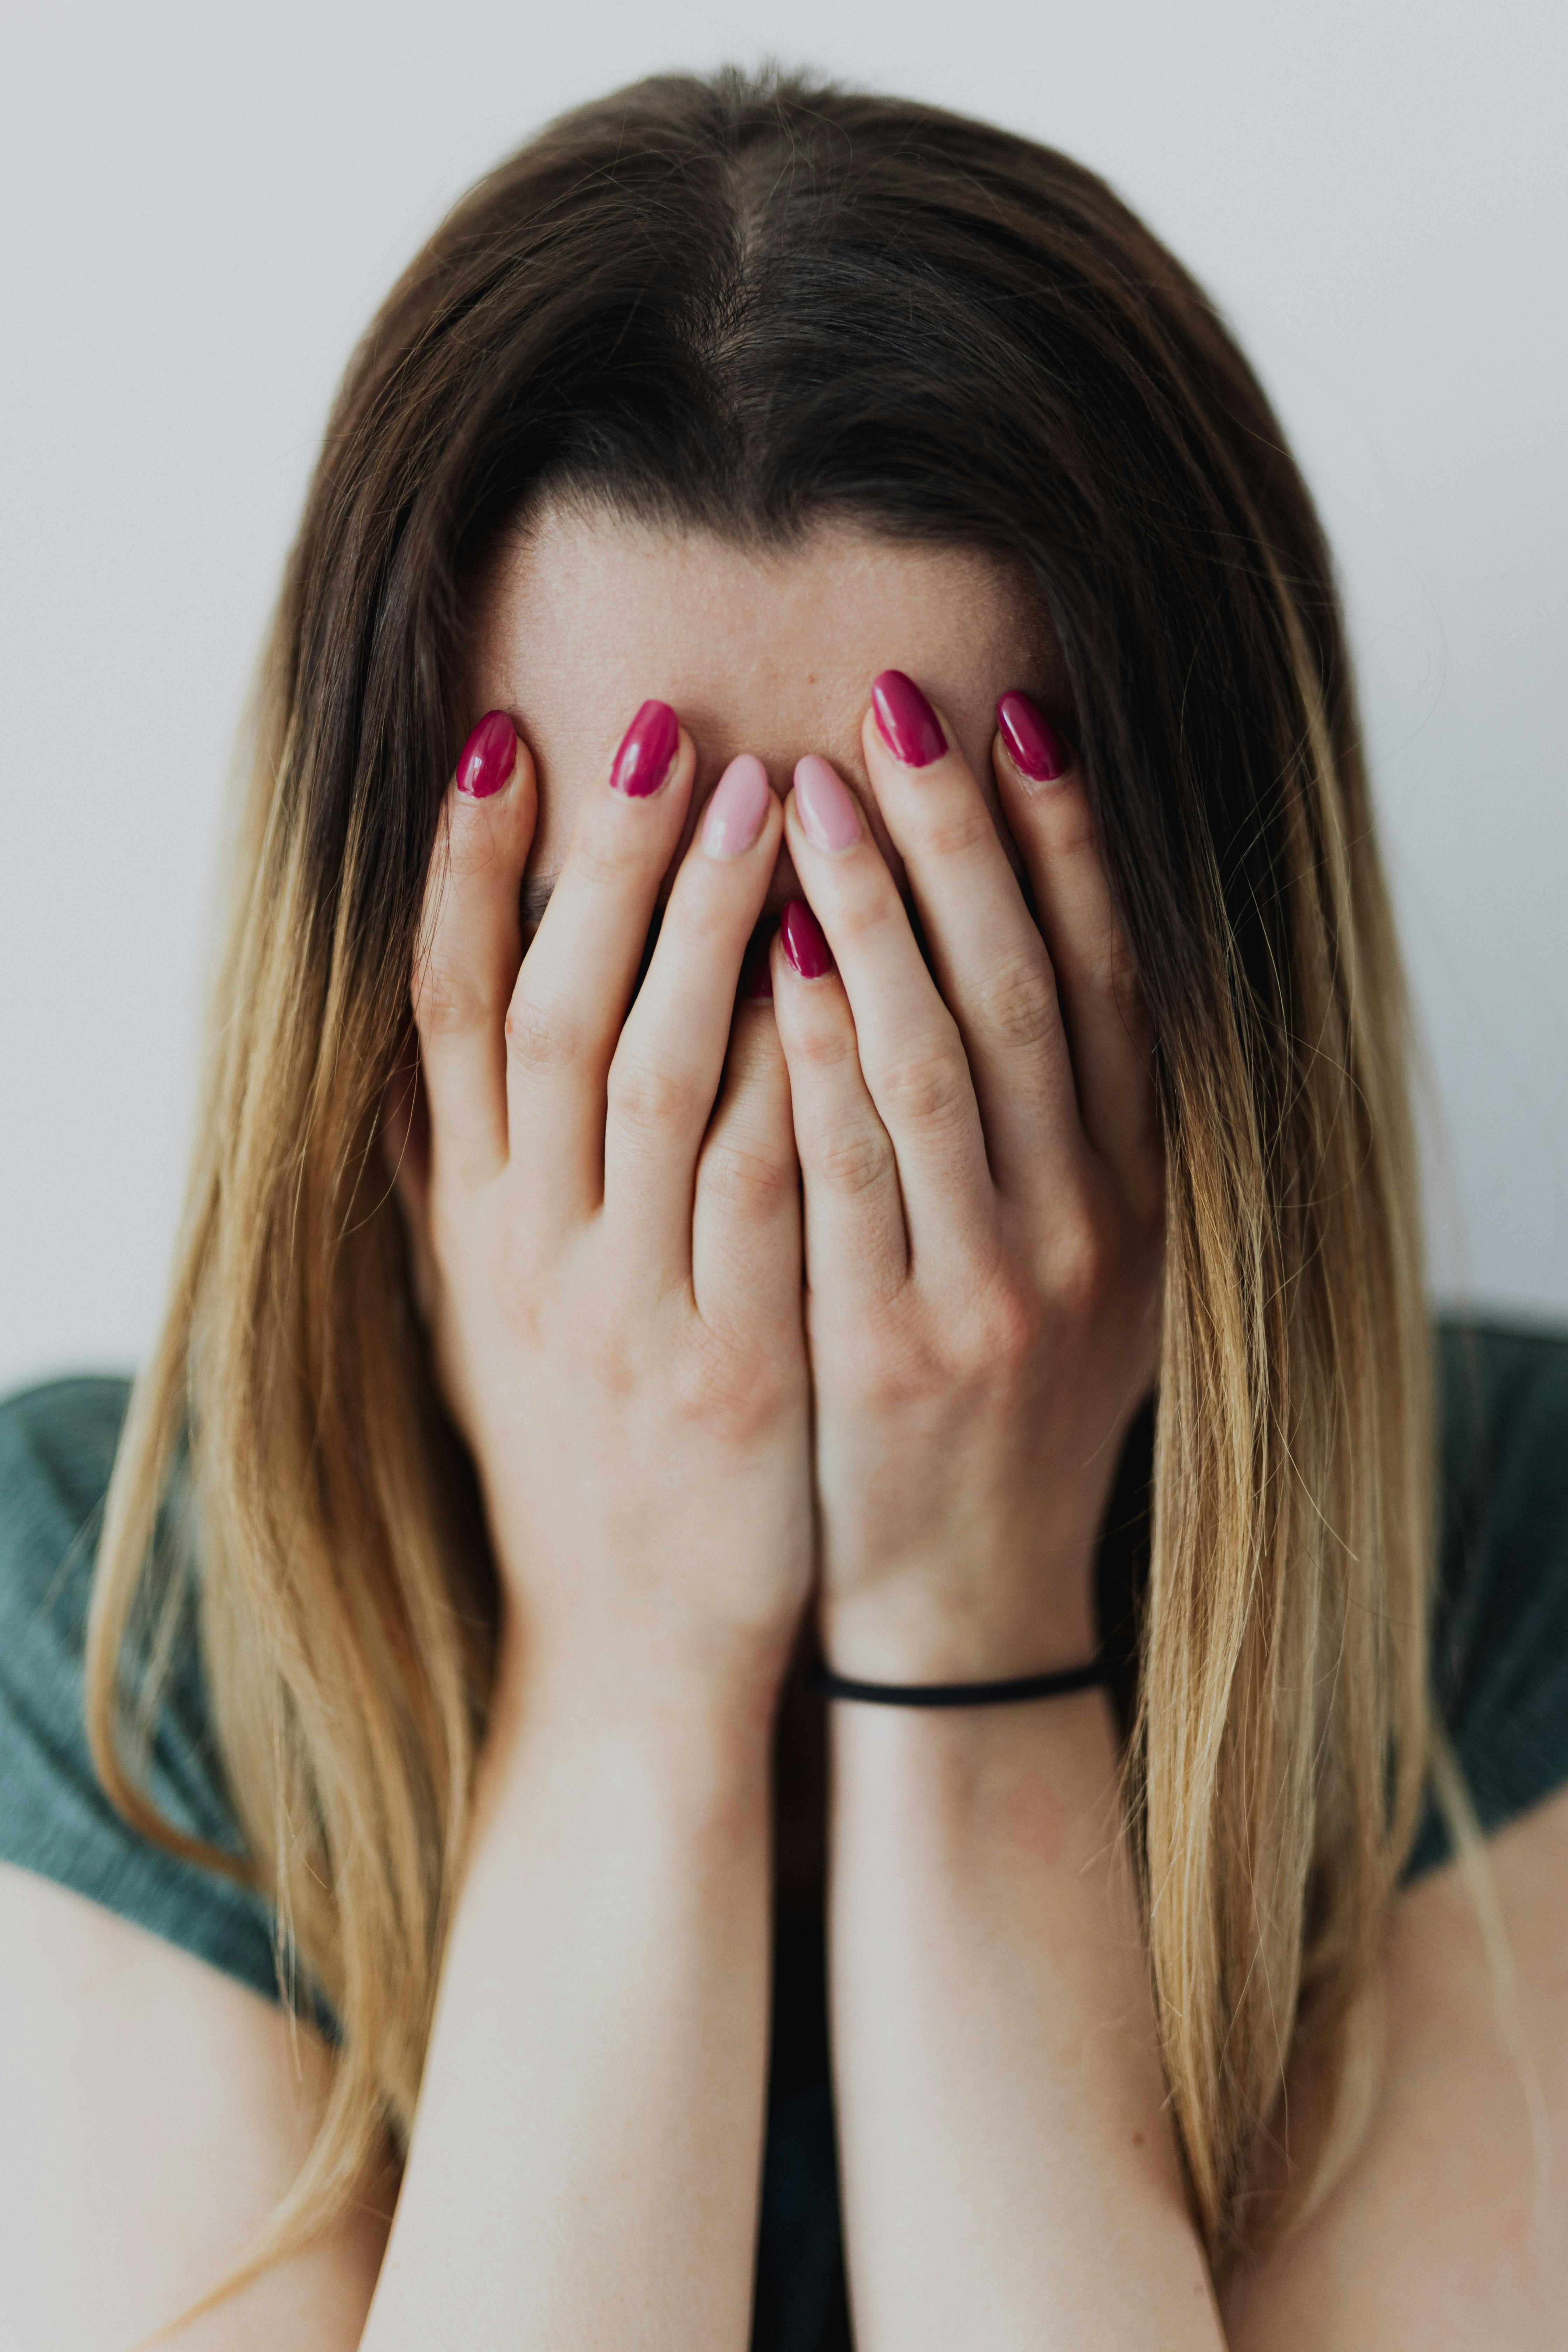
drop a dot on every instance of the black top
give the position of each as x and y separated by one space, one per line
1500 1667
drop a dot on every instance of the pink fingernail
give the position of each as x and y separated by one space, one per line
827 809
807 951
909 727
489 757
1037 749
648 751
757 972
733 817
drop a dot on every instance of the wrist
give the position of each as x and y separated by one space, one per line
699 1733
913 1631
979 1785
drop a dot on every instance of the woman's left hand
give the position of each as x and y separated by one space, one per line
985 1219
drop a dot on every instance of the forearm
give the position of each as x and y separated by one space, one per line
1009 2174
586 2154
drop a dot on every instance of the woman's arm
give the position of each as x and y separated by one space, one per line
984 1235
1010 2174
586 2160
608 1208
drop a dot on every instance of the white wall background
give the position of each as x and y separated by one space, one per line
199 208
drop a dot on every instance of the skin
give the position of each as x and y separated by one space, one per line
927 1197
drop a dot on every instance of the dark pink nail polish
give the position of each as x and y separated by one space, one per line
757 972
1034 742
489 757
648 751
911 728
804 944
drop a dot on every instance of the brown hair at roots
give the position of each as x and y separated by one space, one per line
745 305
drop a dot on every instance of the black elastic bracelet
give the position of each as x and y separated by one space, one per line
1057 1685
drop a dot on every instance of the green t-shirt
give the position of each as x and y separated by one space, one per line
1500 1667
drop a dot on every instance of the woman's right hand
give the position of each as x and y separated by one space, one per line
606 1207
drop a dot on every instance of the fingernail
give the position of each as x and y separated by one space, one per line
804 944
1037 747
648 751
733 817
909 727
489 757
757 972
827 809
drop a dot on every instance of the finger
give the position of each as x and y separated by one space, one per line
665 1071
856 1241
404 1138
910 1052
745 1225
990 959
469 948
1108 1027
577 977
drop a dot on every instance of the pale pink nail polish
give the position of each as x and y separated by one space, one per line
827 806
909 725
487 758
733 817
648 751
804 944
1038 750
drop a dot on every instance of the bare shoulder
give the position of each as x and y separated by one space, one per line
155 2111
1451 2228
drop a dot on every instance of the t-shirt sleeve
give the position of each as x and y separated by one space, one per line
57 1447
1501 1632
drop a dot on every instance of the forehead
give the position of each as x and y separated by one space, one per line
588 614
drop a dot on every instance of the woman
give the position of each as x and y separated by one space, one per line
860 1125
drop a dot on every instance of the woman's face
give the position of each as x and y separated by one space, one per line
590 614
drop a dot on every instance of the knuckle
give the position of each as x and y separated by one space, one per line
607 855
897 1370
731 1393
849 1161
1082 1263
752 1181
471 850
541 1040
959 829
448 1001
867 901
929 1091
648 1094
1007 1330
608 1357
1016 1003
1072 837
826 1045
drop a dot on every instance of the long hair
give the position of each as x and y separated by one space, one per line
747 305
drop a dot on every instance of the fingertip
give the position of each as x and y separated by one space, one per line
494 781
652 752
904 725
1034 748
804 945
487 761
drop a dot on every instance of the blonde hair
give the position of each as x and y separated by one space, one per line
695 300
